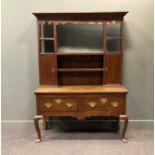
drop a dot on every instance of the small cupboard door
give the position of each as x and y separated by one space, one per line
48 66
113 47
113 68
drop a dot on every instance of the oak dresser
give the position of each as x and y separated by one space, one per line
80 66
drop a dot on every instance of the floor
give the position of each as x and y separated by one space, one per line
21 142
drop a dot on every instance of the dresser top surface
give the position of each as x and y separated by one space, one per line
81 89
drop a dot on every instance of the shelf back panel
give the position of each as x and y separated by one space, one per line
80 78
84 61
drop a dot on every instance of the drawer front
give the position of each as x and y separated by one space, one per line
103 103
48 103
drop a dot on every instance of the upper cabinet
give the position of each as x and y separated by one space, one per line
80 48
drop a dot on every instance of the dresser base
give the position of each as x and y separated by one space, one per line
39 117
80 102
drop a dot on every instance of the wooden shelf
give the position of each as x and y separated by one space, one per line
113 38
46 38
80 53
113 52
45 53
44 89
80 69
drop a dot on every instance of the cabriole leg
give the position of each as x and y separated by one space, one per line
125 118
36 124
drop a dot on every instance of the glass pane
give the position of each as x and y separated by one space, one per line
80 37
47 46
46 30
113 45
113 29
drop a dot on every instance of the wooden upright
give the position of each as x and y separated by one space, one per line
80 66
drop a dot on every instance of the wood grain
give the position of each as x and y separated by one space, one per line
113 73
81 89
48 75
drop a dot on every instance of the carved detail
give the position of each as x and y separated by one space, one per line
80 117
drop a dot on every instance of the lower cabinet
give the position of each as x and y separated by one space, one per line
80 102
92 104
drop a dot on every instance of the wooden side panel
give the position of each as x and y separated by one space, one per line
48 73
113 68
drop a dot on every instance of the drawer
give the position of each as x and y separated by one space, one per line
48 103
101 103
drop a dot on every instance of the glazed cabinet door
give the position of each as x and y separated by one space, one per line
113 41
48 66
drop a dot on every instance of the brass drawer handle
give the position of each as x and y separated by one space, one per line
58 101
92 104
48 105
114 104
103 100
69 104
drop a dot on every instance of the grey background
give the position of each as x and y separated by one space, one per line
19 53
